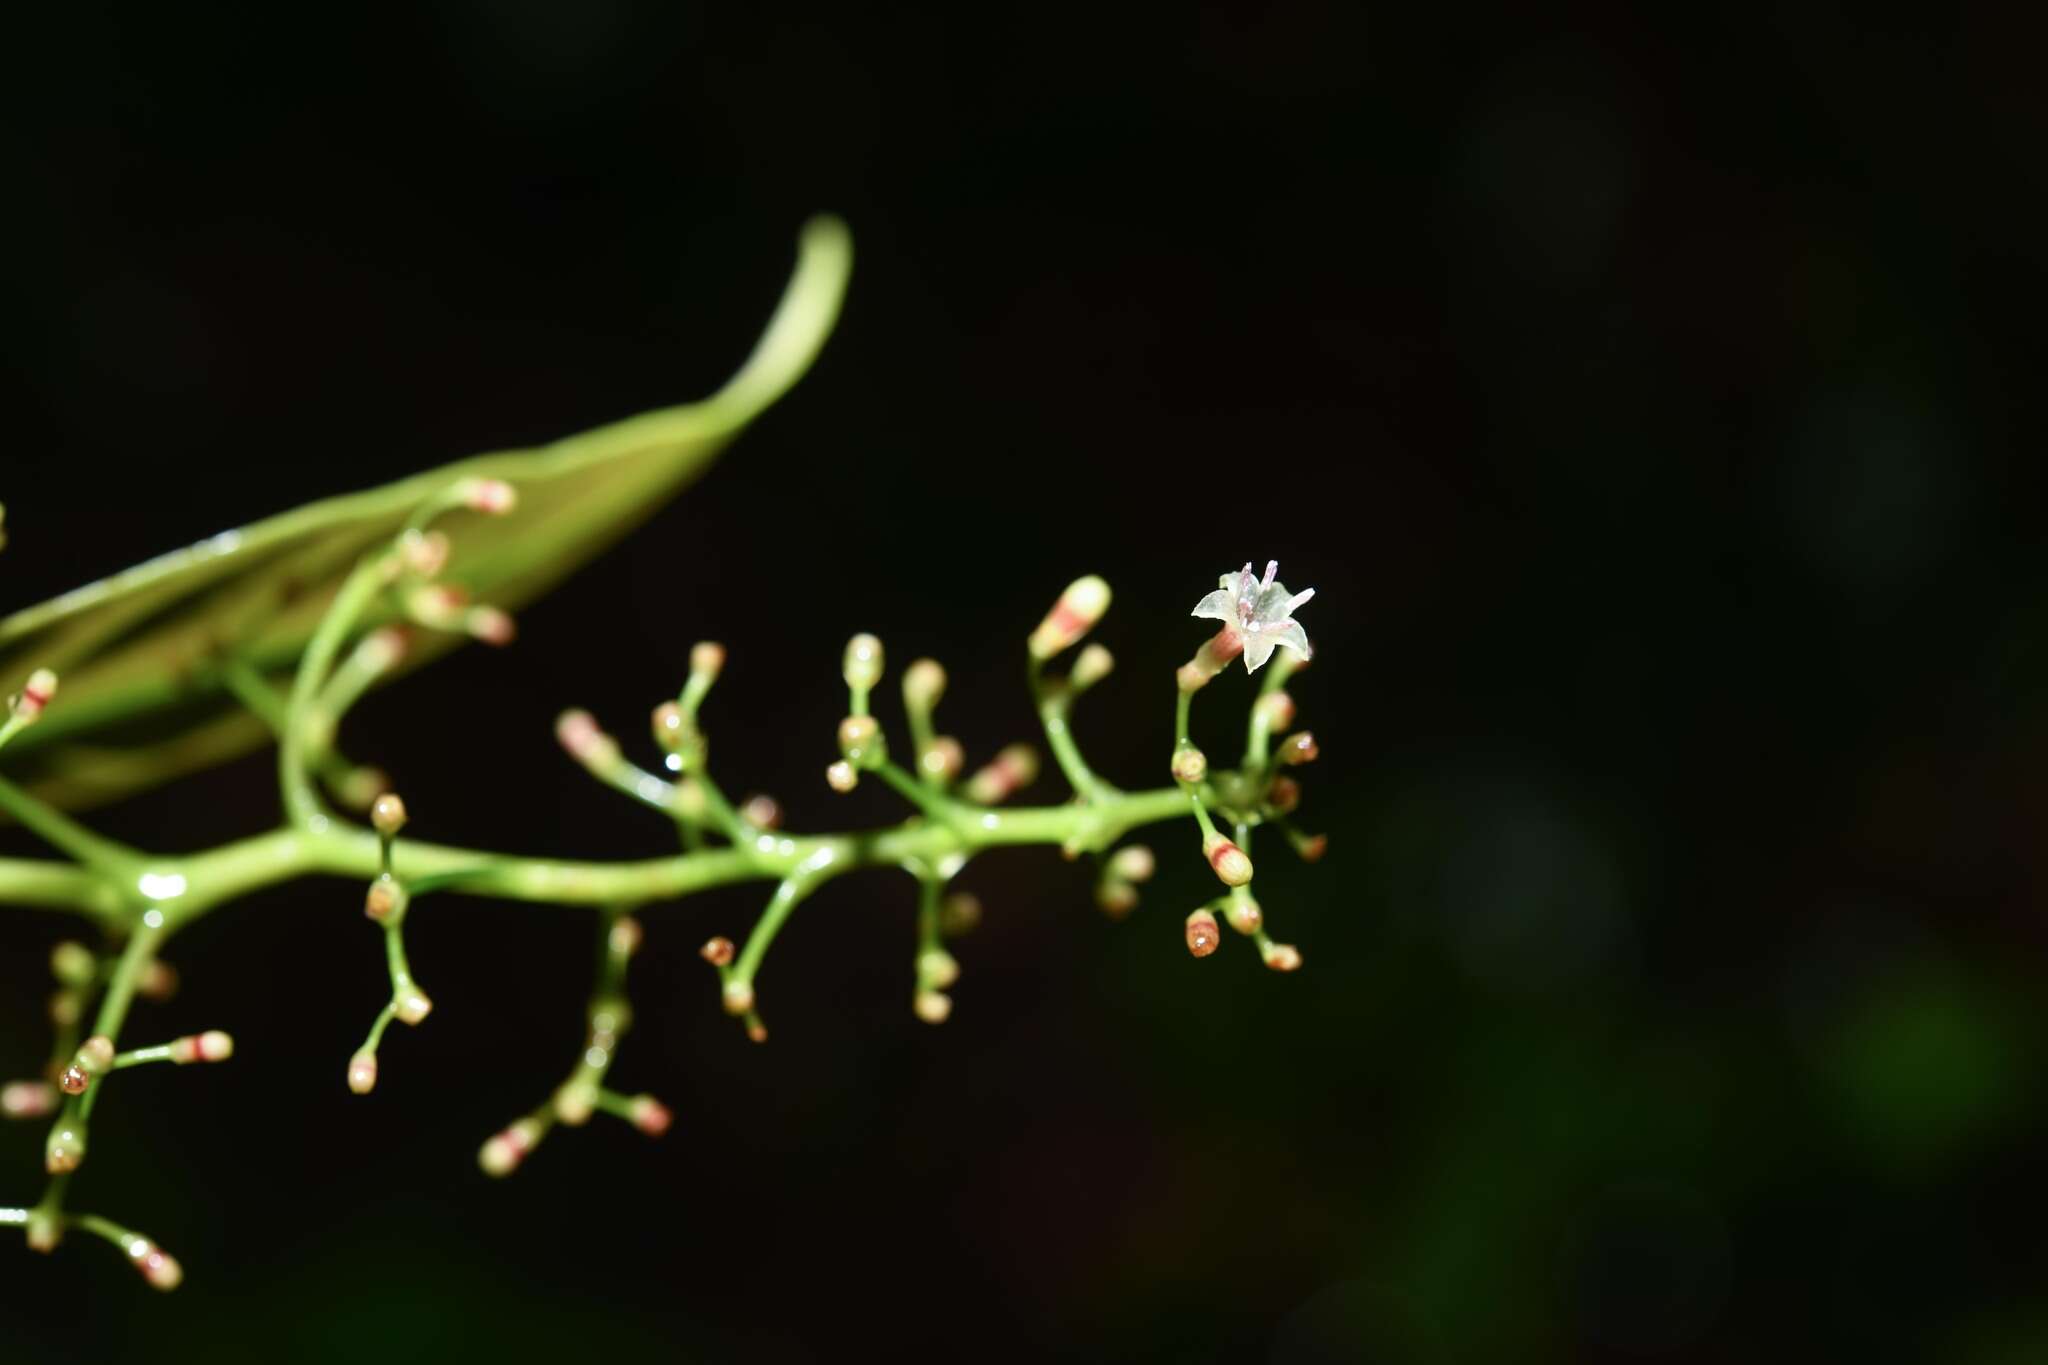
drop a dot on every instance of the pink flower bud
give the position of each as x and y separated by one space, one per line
1189 764
860 740
491 625
932 1006
924 682
424 553
651 1116
35 695
1228 861
387 814
577 731
1244 915
385 900
1276 709
943 758
1313 847
1133 863
27 1099
575 1102
1117 898
1225 645
156 1266
211 1046
96 1053
44 1231
1283 957
707 659
716 951
841 777
761 811
504 1151
738 996
757 1032
413 1006
1091 666
1202 933
1299 748
1283 794
381 650
862 664
158 980
362 1072
492 497
1012 769
936 969
1073 616
624 938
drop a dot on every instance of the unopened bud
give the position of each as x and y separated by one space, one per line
360 786
1133 863
156 1265
757 1032
491 625
1299 748
413 1006
578 732
1312 847
492 497
1276 709
65 1008
716 951
504 1151
72 963
936 969
1216 651
959 913
860 741
707 659
862 665
575 1102
624 937
762 811
673 729
841 777
35 695
739 997
96 1054
924 682
943 758
438 606
158 980
44 1231
74 1079
362 1072
385 900
1091 666
1282 957
1073 616
1244 915
210 1046
932 1006
424 553
64 1150
1012 769
1117 898
387 814
1202 933
1229 862
380 651
1283 795
27 1099
650 1115
1189 764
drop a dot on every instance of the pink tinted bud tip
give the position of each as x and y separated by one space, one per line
503 1153
157 1267
362 1073
577 732
651 1116
35 694
1228 861
211 1046
707 657
27 1099
491 625
1073 616
492 497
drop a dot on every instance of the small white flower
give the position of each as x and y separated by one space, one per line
1261 610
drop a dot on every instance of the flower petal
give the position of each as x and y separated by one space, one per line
1218 606
1288 633
1258 649
1272 603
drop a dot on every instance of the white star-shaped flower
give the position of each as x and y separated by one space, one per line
1261 611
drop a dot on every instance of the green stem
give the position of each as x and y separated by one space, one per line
67 836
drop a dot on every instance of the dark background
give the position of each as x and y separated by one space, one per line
1652 403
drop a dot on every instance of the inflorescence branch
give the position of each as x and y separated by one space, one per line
141 899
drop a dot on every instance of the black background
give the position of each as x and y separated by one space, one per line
1652 402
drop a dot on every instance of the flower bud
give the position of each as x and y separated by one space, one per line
380 651
936 969
924 682
860 741
862 665
362 1072
1117 898
72 963
158 980
1073 616
74 1079
490 625
27 1099
1218 650
1189 764
1091 666
623 940
35 695
738 996
44 1231
492 497
424 553
575 1102
1229 862
959 913
1133 863
156 1265
64 1150
1282 957
757 1032
932 1006
942 759
841 777
716 951
1276 709
762 811
1202 933
96 1054
504 1151
387 814
650 1115
413 1006
1283 794
707 660
1312 847
438 606
1015 767
65 1008
577 731
385 900
1244 915
210 1046
1299 748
